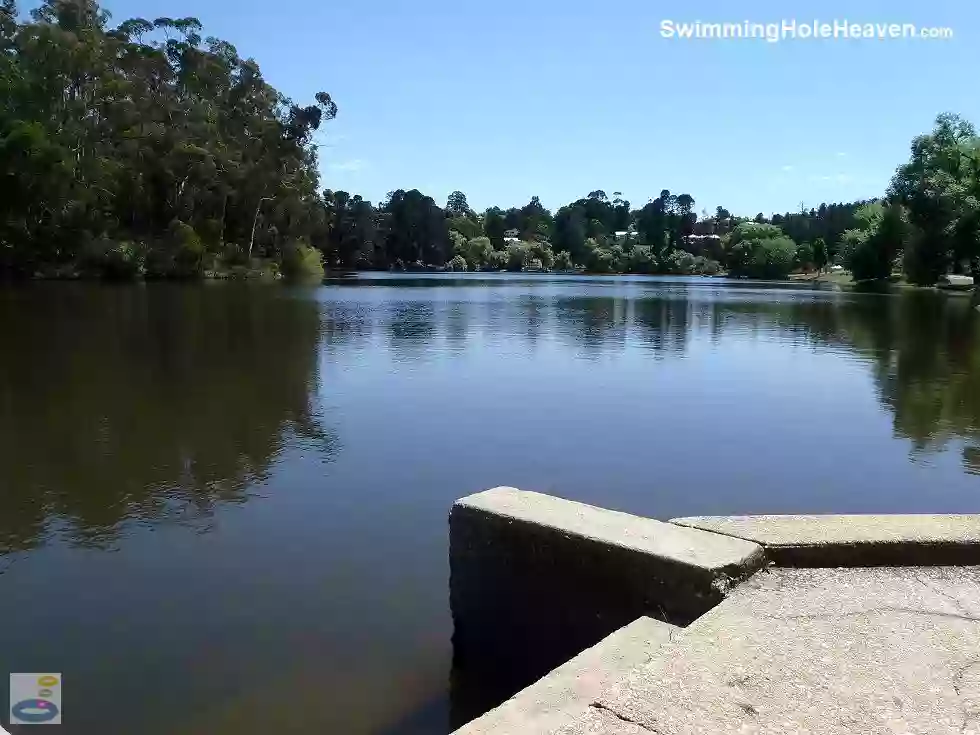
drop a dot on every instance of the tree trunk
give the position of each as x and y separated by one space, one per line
255 223
224 213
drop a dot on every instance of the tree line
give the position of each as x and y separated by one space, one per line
146 149
598 233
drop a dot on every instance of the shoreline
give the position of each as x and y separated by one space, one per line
266 275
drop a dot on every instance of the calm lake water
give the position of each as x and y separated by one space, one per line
223 507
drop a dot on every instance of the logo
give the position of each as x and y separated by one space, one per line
35 699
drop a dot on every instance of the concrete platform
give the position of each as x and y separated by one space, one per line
535 580
854 540
829 651
560 698
795 624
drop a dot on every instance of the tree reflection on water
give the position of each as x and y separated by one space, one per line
147 404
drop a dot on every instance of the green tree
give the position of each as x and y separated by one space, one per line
570 232
870 250
754 231
347 232
654 224
680 263
760 250
301 261
804 256
467 225
597 258
535 221
477 252
494 227
457 264
499 260
940 188
706 266
820 254
458 242
563 261
116 132
416 228
542 252
642 260
518 256
456 205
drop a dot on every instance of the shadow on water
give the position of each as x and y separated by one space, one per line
149 404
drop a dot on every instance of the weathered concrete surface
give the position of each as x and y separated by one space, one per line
695 551
537 579
591 722
561 697
854 540
829 651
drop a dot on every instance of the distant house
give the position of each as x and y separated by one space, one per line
512 236
624 234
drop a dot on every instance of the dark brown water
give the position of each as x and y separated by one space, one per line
223 508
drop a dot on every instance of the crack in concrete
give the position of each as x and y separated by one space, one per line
623 718
969 715
913 611
956 602
729 534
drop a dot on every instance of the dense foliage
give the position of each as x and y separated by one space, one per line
939 188
597 234
826 224
761 250
147 149
927 225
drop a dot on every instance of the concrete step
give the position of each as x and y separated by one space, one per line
866 651
536 579
559 699
854 540
859 631
869 651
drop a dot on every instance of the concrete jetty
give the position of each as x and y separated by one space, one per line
765 624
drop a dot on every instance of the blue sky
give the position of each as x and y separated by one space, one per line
514 98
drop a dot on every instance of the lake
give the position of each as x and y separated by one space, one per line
223 506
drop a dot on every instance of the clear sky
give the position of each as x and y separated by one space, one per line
507 99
